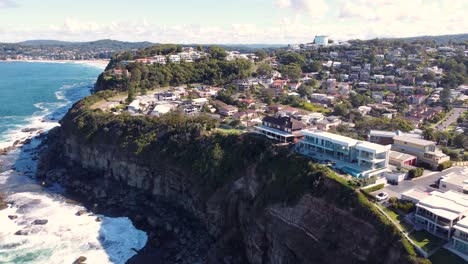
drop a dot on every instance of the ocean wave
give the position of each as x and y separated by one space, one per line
47 116
65 236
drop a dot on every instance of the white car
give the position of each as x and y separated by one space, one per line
382 196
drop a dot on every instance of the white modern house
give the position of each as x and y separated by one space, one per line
454 179
440 212
134 106
358 158
460 238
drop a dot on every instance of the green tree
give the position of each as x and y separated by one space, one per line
428 134
131 92
445 97
342 109
305 90
292 58
261 54
217 154
217 52
292 71
264 69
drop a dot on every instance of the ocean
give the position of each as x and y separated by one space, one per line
33 98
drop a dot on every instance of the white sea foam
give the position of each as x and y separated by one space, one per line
38 121
66 236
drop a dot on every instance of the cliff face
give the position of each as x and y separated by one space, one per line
231 224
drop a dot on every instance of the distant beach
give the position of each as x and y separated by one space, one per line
101 64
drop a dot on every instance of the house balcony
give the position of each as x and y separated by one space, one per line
461 238
426 216
371 159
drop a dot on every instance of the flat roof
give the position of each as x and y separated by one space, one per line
456 175
415 194
381 133
372 147
400 156
275 131
448 205
413 140
330 136
462 225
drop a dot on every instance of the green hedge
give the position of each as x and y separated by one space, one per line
444 165
415 173
374 188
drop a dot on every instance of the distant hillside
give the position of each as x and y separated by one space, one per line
443 39
107 43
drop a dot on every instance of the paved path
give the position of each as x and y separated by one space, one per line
451 118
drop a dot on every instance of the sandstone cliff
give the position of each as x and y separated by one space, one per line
262 214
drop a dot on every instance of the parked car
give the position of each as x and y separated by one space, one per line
382 196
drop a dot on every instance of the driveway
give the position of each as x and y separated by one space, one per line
422 183
452 118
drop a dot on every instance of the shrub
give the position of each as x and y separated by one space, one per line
444 165
415 173
374 188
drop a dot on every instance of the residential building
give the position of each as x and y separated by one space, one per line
321 40
381 137
284 129
425 150
359 158
460 237
228 110
166 96
328 123
162 109
454 179
160 59
440 212
174 58
134 106
402 159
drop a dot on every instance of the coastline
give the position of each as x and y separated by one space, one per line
39 124
101 64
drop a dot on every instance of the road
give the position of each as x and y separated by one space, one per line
451 118
422 183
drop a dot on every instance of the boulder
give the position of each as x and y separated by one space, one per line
40 222
80 260
22 232
12 217
81 212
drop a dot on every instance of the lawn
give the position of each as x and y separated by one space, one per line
397 218
229 131
426 241
443 256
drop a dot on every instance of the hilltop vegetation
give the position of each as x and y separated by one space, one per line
213 70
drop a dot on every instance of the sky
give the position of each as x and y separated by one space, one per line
228 21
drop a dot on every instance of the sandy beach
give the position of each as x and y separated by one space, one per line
101 64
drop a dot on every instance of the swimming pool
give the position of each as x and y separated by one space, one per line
352 172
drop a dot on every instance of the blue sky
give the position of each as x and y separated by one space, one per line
239 21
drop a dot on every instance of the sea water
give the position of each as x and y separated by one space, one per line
33 98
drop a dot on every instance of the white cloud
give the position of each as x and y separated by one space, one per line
7 3
312 8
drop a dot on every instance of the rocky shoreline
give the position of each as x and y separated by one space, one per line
173 235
